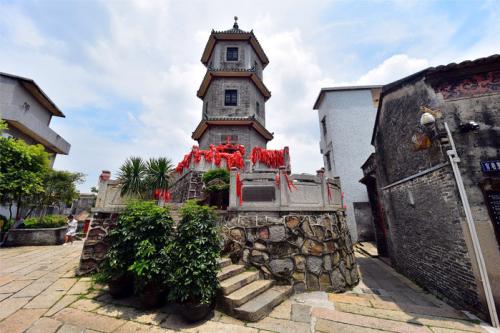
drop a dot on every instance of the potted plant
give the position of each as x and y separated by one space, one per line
114 270
150 227
216 183
195 252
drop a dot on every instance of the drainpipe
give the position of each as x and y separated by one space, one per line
454 160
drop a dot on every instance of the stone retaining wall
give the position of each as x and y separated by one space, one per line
96 245
40 236
311 252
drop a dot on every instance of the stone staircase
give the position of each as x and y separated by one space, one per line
246 296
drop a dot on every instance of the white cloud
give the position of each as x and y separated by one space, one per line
392 69
148 56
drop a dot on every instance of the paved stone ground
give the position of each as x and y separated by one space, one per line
40 293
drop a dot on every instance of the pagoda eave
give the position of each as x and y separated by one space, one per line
224 36
205 124
207 80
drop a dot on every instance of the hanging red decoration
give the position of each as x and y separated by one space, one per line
239 188
290 183
231 153
163 195
277 180
272 158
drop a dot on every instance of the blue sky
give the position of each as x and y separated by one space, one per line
125 73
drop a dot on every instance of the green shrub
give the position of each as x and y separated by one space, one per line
47 221
220 174
137 245
5 223
195 252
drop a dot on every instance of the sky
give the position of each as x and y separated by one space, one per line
125 73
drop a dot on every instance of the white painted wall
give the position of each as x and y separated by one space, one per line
350 115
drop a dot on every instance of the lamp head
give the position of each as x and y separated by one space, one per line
427 120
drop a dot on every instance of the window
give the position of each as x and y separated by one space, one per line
323 125
232 54
231 137
231 97
257 108
328 161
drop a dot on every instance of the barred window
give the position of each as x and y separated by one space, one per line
232 54
231 97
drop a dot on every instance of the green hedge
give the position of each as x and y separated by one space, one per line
48 221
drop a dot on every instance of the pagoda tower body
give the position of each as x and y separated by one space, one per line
233 91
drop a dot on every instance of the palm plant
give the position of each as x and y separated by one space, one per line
132 174
158 173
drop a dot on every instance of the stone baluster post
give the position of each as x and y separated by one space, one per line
324 187
233 198
284 195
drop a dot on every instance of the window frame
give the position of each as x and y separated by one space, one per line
328 161
323 126
232 48
231 102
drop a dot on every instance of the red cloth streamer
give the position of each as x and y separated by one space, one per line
277 180
232 153
272 158
289 183
164 195
239 187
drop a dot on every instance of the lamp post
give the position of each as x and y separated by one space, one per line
427 120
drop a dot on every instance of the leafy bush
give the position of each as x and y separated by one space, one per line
220 174
5 223
137 245
194 254
47 221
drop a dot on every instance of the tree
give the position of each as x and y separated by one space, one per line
22 170
59 188
131 176
140 179
158 173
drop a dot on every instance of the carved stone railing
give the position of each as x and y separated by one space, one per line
268 191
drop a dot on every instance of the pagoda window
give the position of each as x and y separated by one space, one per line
328 161
257 108
228 138
231 97
232 54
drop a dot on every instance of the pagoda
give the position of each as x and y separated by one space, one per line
233 92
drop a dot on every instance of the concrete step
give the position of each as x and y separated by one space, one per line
245 293
263 304
230 271
236 282
224 262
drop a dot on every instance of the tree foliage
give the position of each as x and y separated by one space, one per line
22 170
140 179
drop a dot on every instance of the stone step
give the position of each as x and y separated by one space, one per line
224 262
245 293
236 282
263 304
230 271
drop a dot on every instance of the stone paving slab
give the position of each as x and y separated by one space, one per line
20 320
45 325
89 320
42 294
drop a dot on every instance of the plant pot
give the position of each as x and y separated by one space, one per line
121 287
193 312
153 296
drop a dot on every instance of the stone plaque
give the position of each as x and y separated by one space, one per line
258 193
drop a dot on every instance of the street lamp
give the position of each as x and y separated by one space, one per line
428 121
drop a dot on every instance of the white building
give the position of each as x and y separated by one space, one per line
28 112
346 118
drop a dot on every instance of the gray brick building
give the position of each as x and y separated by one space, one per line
233 91
423 216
